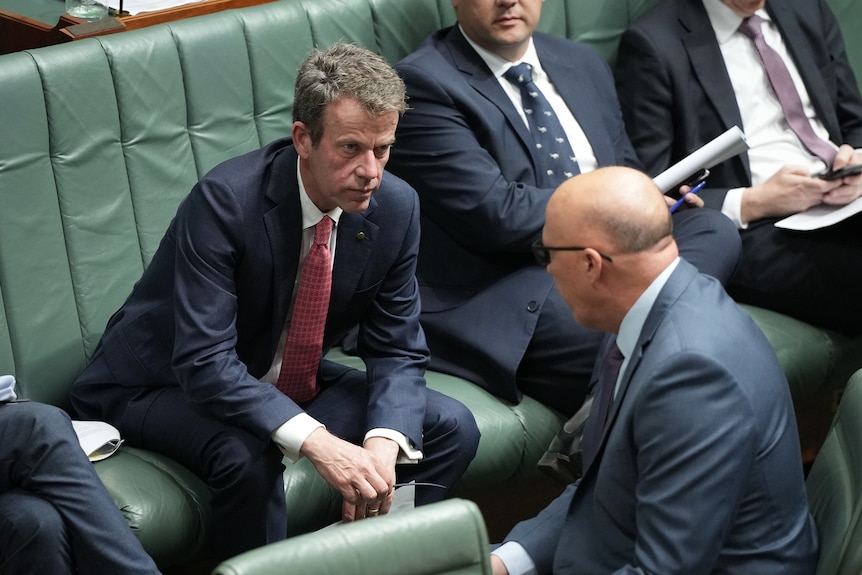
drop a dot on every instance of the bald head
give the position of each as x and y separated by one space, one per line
620 207
622 220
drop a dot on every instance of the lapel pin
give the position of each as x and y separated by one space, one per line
360 236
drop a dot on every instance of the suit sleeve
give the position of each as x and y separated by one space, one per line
209 242
696 443
442 149
540 535
392 343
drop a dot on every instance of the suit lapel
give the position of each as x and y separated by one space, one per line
477 74
570 81
356 237
681 277
283 225
698 38
788 24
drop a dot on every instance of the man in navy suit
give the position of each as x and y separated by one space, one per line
686 72
186 366
697 467
491 315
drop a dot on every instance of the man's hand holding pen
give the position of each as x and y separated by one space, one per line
688 197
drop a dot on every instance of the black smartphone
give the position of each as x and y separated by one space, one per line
841 172
696 178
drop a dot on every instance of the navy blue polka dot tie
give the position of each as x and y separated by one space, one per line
556 160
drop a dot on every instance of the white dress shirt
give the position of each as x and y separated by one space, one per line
292 434
772 143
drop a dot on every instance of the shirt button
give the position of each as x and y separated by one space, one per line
532 306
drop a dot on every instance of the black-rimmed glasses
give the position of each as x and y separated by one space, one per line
542 253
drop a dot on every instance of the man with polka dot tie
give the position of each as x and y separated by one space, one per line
485 153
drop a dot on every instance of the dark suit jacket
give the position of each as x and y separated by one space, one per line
676 95
467 152
208 312
699 470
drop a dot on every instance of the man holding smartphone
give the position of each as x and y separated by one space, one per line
690 69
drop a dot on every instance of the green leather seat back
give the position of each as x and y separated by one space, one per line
44 331
834 487
849 14
445 538
109 135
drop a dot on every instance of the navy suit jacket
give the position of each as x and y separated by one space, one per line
208 311
676 94
467 152
699 468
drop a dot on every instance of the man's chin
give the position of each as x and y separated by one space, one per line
356 206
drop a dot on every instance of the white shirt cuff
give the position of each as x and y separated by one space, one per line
732 207
407 454
515 558
292 434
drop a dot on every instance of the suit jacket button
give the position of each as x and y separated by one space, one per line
532 306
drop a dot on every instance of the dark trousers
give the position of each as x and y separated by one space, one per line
56 517
244 473
813 276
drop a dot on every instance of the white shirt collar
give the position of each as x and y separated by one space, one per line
633 322
725 21
311 214
498 65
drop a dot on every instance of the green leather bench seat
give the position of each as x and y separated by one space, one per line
813 359
102 139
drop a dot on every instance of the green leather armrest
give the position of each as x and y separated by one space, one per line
834 487
446 538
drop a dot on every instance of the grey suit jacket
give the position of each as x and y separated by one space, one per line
699 470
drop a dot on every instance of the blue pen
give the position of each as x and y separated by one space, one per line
694 190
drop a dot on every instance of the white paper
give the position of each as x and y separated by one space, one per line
820 216
97 438
725 146
7 388
140 6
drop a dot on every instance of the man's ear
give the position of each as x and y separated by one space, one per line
301 139
595 263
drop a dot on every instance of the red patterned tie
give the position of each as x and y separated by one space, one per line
785 90
298 376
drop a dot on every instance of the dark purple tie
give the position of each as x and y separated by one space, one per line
607 385
785 91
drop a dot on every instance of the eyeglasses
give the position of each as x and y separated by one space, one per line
542 253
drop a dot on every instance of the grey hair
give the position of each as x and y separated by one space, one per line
345 70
